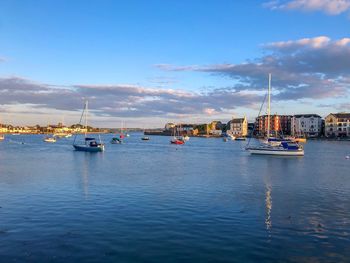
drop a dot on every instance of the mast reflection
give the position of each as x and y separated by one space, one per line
268 204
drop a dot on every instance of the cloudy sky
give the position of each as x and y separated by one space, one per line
146 63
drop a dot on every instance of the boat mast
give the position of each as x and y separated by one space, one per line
86 113
268 107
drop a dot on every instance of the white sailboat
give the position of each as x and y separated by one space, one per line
283 148
2 136
90 144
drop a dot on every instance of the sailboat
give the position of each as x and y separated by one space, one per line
90 144
283 147
116 139
2 136
177 139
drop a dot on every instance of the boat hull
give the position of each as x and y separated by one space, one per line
178 142
257 151
50 140
84 148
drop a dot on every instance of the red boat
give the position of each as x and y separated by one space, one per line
176 141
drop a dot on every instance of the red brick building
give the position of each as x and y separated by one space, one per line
279 124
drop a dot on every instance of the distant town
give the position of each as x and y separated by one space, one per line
335 125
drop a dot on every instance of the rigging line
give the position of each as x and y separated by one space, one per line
81 117
258 116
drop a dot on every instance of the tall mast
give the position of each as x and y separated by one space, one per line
86 113
268 107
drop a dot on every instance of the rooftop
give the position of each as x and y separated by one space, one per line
307 115
343 115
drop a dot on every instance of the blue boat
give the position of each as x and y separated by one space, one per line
90 144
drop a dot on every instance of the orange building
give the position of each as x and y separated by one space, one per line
278 124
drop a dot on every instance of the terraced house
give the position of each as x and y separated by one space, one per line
238 127
308 125
337 125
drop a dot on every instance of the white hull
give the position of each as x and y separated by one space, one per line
277 152
51 140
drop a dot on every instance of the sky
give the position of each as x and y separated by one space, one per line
146 63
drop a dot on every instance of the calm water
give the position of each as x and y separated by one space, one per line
149 201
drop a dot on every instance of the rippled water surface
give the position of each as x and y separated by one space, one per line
149 201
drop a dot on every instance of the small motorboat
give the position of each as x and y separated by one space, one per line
116 140
231 137
185 138
225 139
300 139
145 138
50 139
2 137
240 139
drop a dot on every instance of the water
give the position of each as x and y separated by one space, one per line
149 201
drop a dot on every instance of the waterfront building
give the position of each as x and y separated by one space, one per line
308 125
3 129
215 128
279 124
169 126
238 127
184 129
337 125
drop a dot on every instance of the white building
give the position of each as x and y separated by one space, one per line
337 125
239 127
309 125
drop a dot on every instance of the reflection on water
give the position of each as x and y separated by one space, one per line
268 202
85 174
151 202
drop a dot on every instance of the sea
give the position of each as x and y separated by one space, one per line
150 201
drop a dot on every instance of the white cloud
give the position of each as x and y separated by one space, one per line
330 7
316 42
121 100
309 68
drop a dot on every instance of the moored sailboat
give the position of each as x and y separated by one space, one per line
176 138
2 136
90 144
273 146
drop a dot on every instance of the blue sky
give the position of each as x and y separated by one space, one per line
166 56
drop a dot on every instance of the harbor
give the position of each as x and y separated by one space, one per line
207 200
175 131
